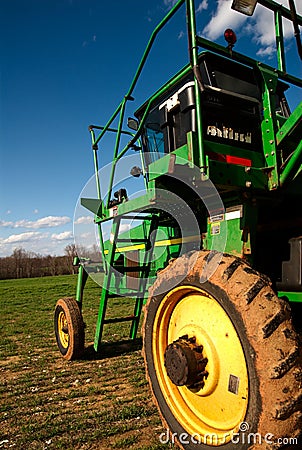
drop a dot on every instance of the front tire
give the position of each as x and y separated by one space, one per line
69 328
236 329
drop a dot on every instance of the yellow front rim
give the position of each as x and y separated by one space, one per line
63 329
215 411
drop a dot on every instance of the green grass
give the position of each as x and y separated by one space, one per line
99 402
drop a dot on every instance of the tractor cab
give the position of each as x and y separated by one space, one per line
231 111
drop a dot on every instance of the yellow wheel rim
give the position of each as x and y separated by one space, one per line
215 411
63 329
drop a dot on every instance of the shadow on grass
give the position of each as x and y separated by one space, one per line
111 349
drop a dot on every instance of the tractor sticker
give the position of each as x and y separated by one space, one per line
233 384
215 228
234 212
216 218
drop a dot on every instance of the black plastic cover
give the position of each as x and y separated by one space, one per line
292 269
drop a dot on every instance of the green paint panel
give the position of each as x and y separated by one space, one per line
295 297
166 163
223 174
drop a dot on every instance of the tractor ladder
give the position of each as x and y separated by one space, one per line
115 270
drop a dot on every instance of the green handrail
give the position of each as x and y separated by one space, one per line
128 96
193 51
280 41
243 59
292 166
285 12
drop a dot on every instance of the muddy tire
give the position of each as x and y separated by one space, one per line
69 328
247 394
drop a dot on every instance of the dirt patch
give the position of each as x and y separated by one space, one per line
83 404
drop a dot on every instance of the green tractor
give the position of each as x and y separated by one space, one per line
215 253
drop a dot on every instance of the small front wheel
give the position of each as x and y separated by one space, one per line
69 328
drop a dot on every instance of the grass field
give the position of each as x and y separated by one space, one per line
99 402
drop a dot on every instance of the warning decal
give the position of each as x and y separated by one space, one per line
233 384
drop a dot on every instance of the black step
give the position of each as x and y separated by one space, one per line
132 295
123 269
137 217
121 319
137 240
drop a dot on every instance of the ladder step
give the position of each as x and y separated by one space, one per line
139 241
137 290
137 217
123 293
124 269
121 319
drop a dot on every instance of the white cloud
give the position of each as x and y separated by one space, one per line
180 35
260 26
44 222
3 223
202 6
24 237
224 17
36 241
83 220
266 51
264 25
170 3
65 235
124 227
88 236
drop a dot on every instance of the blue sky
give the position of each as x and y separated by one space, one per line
66 64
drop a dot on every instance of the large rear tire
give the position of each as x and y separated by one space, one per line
69 328
222 357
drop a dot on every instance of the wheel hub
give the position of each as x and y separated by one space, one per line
185 363
63 329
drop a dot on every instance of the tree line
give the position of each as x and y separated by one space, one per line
25 264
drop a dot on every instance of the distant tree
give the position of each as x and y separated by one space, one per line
7 268
25 264
95 253
71 252
19 258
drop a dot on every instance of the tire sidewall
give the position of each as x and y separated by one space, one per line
69 306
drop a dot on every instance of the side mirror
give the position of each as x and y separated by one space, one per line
244 6
136 171
132 123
